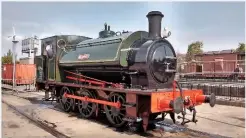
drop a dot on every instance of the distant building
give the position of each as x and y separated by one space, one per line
27 60
215 61
220 61
31 45
223 54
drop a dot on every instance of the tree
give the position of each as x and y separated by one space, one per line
180 60
241 47
180 57
8 58
193 49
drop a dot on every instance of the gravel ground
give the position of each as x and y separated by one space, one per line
223 120
15 126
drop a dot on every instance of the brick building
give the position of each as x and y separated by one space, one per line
220 61
215 61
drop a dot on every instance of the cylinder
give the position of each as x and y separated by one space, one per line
154 18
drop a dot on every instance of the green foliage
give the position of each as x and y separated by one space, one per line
241 47
8 58
180 57
180 60
193 49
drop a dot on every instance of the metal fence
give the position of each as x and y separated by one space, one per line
200 78
225 91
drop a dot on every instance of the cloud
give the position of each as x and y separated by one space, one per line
48 20
27 23
22 23
65 29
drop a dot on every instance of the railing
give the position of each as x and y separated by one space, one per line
226 91
213 76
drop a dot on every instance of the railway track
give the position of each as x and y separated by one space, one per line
36 122
167 127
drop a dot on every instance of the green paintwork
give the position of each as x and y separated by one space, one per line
51 69
127 43
103 49
52 65
71 40
38 61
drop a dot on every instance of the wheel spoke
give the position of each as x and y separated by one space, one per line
65 106
83 111
119 118
118 99
123 109
88 110
116 120
122 114
89 106
68 104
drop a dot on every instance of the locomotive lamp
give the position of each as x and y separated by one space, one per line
166 33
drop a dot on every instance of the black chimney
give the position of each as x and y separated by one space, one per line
105 27
108 28
155 18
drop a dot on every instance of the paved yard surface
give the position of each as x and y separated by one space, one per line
222 120
16 126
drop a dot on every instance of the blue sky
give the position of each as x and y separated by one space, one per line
220 25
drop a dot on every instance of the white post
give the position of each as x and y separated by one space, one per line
14 55
30 46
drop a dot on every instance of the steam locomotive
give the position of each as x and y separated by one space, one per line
129 76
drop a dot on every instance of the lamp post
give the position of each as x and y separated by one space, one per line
14 55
